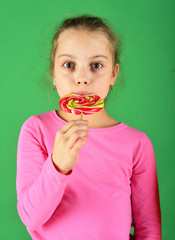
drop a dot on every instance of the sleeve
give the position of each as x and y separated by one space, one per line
145 193
40 187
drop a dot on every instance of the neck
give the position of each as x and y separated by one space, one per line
95 120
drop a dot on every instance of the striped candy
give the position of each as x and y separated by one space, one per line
77 104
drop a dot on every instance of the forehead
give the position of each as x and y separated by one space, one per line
71 39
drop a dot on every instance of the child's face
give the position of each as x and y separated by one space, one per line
82 71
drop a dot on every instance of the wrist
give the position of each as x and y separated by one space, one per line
59 170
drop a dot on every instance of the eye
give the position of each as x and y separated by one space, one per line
97 64
68 64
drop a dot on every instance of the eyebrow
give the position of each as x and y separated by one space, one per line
68 55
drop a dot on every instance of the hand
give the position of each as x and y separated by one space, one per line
66 148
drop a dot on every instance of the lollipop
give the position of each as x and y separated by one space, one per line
81 104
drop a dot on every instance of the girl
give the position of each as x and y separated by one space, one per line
91 188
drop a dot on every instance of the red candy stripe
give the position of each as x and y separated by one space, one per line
74 103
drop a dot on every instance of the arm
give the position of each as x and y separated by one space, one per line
40 187
145 193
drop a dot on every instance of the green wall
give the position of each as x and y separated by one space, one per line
145 103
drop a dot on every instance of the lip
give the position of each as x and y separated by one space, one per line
82 92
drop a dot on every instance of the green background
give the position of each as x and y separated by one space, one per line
145 103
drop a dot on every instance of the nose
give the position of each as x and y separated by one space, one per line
82 77
82 82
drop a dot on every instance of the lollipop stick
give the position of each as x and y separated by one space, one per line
81 116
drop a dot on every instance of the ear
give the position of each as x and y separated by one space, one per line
114 74
54 81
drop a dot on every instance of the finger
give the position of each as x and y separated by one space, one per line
75 137
76 128
77 146
68 125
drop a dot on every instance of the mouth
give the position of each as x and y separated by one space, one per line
83 93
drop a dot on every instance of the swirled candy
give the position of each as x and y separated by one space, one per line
77 104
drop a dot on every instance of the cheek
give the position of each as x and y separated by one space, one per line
61 71
102 90
63 87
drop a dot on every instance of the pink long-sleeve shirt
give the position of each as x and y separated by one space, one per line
114 179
